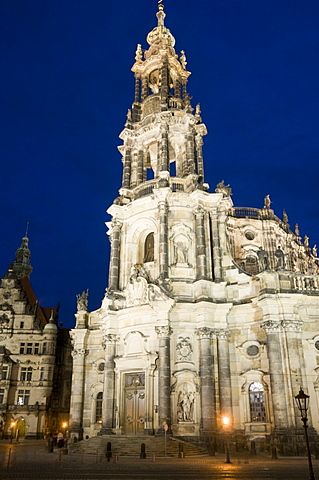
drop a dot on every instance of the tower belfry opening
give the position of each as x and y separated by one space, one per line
209 307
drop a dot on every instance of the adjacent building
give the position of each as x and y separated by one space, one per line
211 310
31 356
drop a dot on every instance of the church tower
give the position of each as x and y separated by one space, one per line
204 311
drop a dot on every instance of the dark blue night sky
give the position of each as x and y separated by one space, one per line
66 86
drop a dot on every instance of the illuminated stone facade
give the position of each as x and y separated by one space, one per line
210 310
35 358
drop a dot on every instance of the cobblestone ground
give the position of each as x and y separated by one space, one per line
30 460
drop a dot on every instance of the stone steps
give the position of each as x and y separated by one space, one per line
126 445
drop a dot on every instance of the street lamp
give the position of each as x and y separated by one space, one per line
64 426
226 422
302 401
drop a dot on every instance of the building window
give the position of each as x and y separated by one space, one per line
29 348
44 350
22 348
21 324
36 348
149 248
257 402
23 397
42 374
1 395
26 374
4 373
98 408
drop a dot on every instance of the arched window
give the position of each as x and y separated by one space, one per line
98 407
257 402
149 248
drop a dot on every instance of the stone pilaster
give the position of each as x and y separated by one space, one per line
199 152
137 90
206 378
115 255
200 243
140 177
190 151
163 151
164 84
293 329
76 409
217 256
164 376
277 376
108 414
224 377
126 181
163 239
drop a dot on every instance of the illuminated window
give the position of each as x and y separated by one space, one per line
23 397
98 407
42 374
149 248
257 402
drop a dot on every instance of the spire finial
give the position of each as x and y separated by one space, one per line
160 5
27 229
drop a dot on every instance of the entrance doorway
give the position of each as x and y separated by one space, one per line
20 429
134 403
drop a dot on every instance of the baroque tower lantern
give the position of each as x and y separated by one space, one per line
211 310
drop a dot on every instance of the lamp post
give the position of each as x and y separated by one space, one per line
226 423
302 401
64 425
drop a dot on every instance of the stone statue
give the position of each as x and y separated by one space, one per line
285 217
180 252
182 59
267 202
137 286
138 53
82 301
297 232
280 259
306 241
224 189
263 259
185 406
314 251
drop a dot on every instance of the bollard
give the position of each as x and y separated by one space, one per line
50 445
116 459
253 447
143 451
274 453
9 457
108 451
180 450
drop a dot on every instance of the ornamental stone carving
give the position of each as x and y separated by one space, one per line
79 353
271 326
222 334
82 301
109 339
185 405
204 332
292 325
184 350
163 331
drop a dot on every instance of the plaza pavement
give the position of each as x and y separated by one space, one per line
30 460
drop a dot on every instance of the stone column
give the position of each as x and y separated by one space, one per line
115 255
206 378
217 257
164 376
225 394
163 150
108 413
163 239
293 329
199 151
77 393
190 151
144 88
177 89
140 176
126 181
200 243
164 85
137 89
277 376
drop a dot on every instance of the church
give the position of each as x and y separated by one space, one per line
211 310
